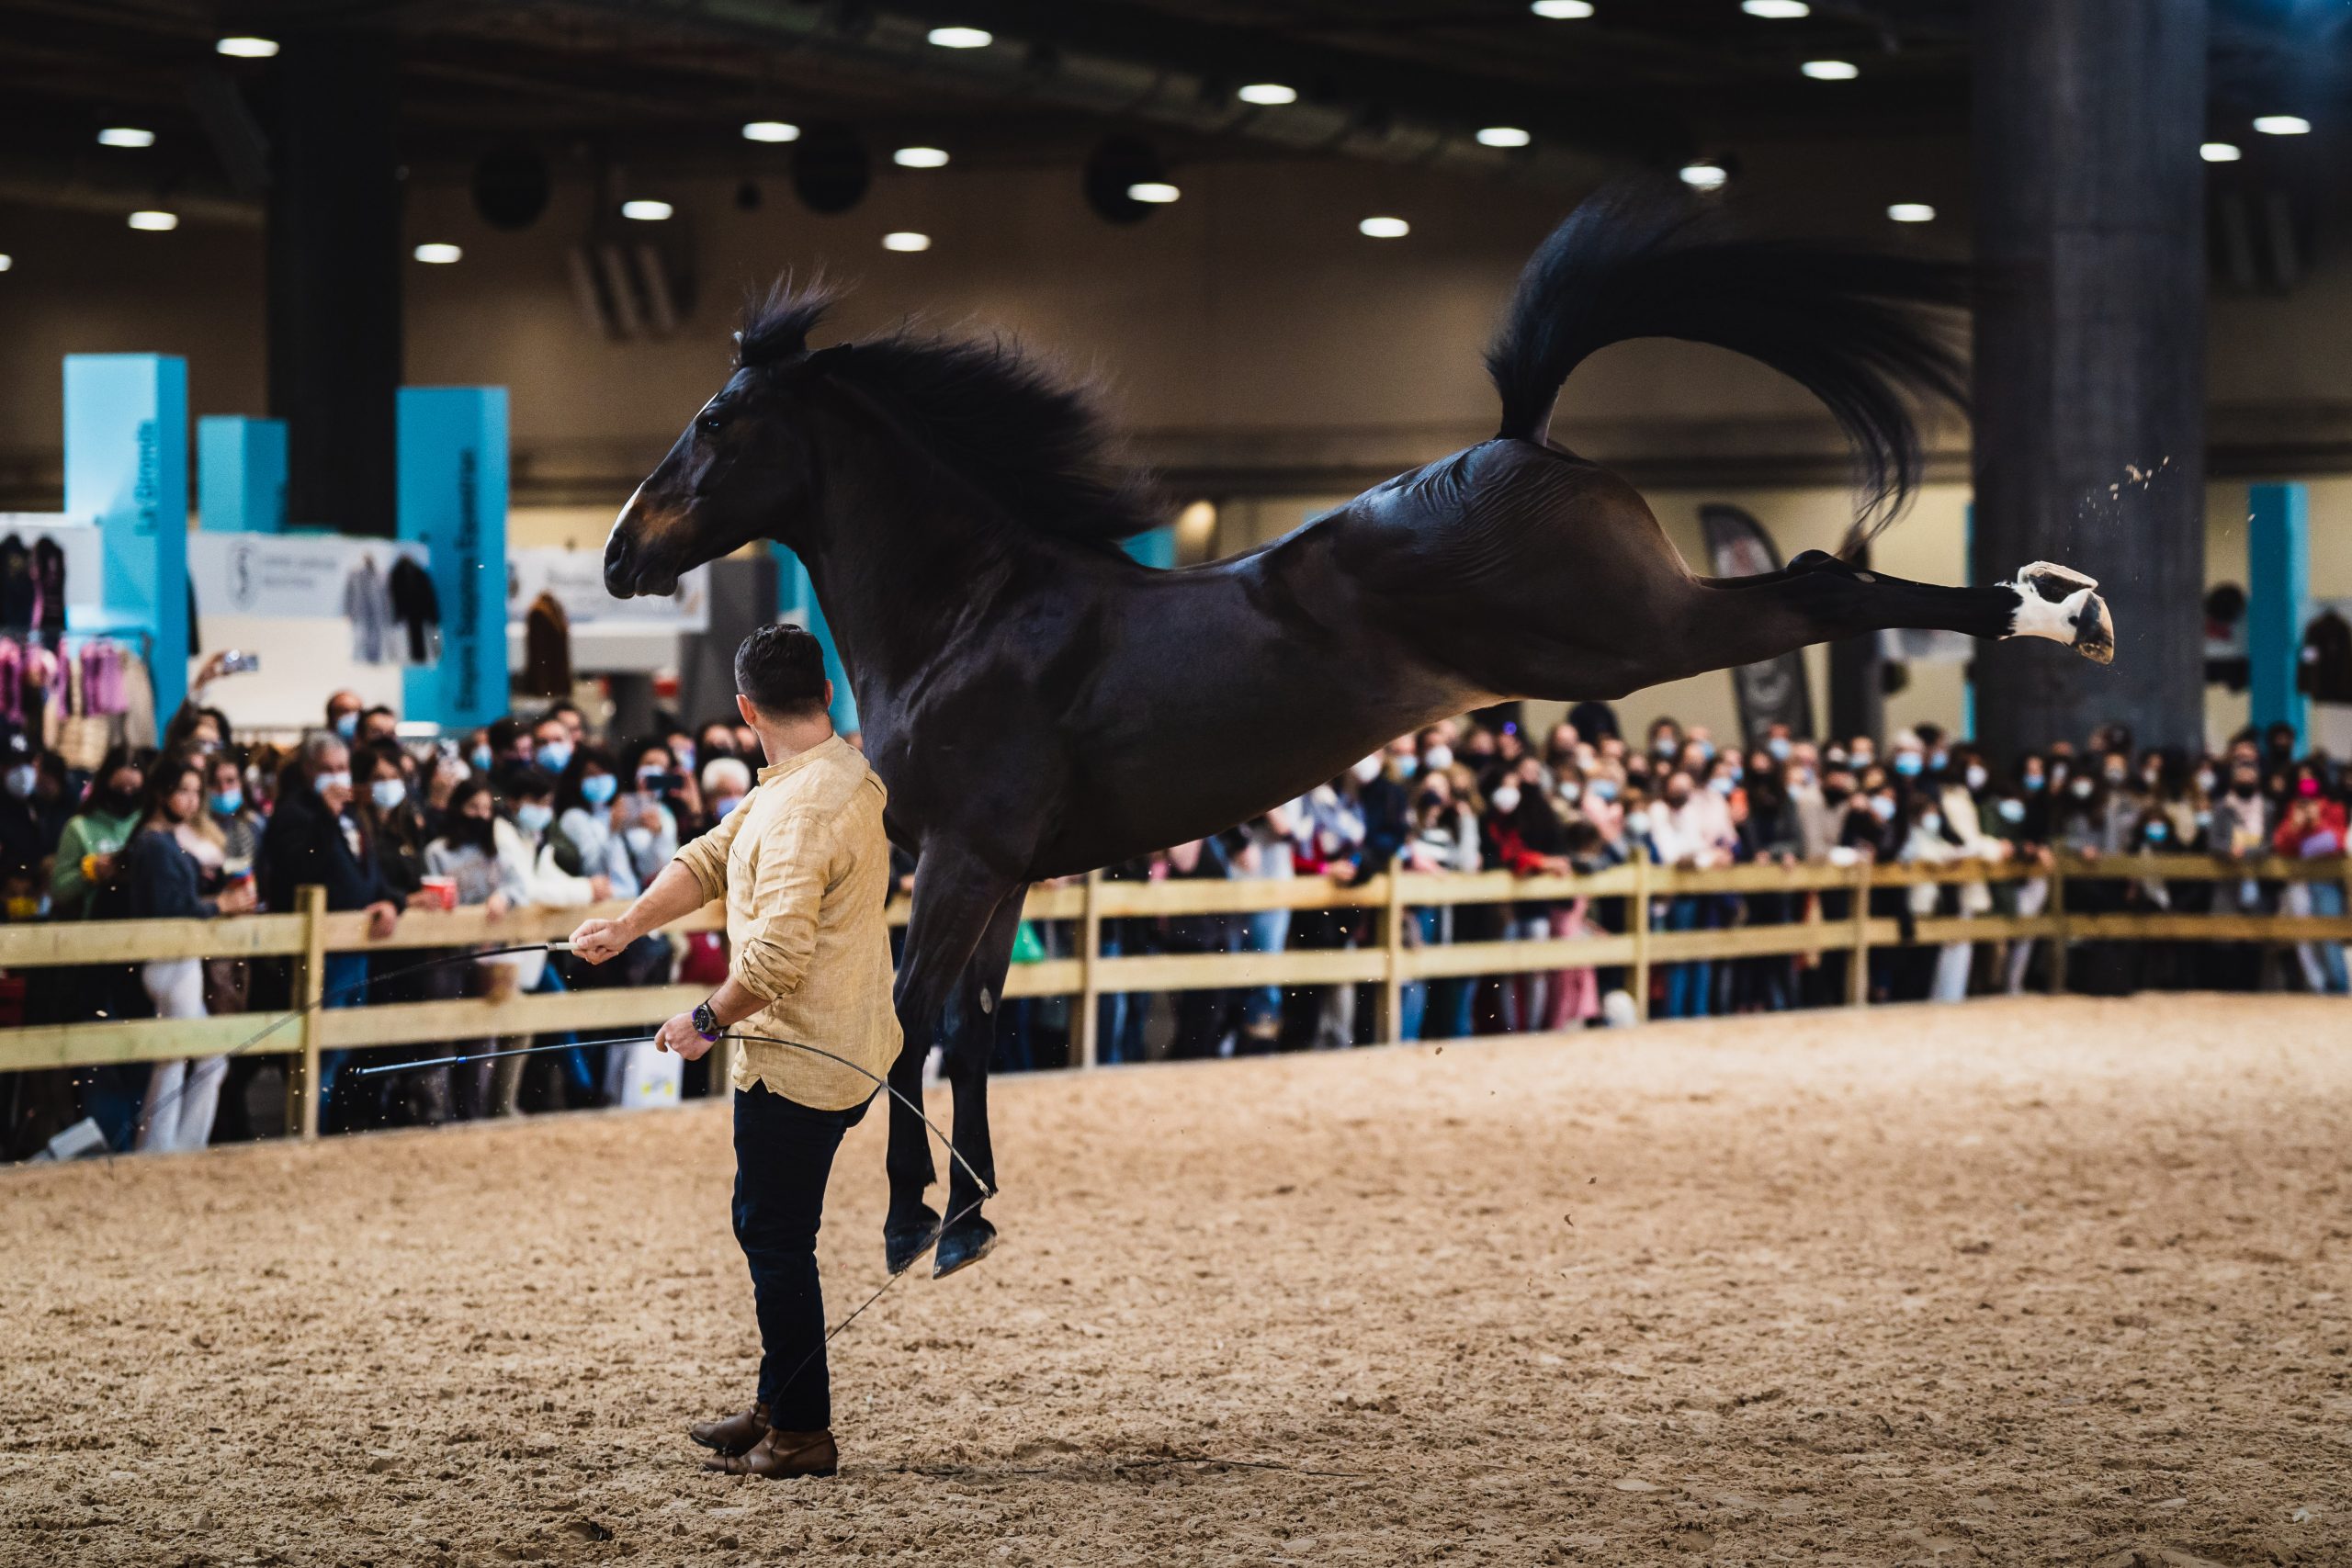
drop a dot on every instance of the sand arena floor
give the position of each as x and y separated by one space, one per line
2014 1282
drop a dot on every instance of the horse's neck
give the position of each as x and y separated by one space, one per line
902 564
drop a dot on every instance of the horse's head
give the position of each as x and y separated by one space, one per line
745 469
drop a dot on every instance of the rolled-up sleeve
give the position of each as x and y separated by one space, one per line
795 857
705 858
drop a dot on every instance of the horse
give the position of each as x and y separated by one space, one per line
1038 705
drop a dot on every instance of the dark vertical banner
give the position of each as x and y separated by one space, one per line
1773 692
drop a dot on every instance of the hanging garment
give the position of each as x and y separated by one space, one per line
418 610
102 688
36 691
17 591
368 605
546 649
2325 674
48 587
12 681
135 690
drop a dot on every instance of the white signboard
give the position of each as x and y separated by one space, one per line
576 578
283 576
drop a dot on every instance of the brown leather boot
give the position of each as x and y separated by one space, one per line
782 1454
736 1434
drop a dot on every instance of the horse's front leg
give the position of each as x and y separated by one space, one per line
954 901
970 1039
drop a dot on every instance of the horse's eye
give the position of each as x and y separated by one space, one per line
708 425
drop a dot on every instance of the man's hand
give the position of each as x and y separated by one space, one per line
597 941
680 1035
383 919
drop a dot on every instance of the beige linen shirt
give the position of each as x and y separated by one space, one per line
805 870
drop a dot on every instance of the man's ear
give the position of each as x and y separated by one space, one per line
743 705
828 698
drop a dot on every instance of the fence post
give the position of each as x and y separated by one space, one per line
1090 995
2057 908
1857 964
1637 925
1392 969
310 992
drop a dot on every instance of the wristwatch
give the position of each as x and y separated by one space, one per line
706 1022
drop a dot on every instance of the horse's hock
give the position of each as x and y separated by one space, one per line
2010 1282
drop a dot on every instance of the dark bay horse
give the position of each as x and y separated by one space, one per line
1038 705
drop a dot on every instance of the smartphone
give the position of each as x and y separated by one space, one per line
239 661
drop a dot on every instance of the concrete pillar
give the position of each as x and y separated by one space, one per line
2090 198
334 277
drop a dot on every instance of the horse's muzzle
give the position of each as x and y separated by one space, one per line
631 570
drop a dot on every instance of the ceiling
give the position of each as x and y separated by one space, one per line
1642 82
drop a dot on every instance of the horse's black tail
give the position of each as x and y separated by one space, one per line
1857 328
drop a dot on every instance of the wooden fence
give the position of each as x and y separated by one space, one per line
1388 955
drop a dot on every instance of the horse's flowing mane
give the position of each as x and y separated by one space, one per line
1036 446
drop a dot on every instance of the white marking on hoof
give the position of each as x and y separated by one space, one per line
2061 605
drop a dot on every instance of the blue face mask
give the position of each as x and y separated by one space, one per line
727 803
2032 783
532 816
598 789
555 756
2012 810
348 725
1408 766
2158 832
1722 784
483 759
1779 748
1706 750
1605 789
228 802
388 793
1908 763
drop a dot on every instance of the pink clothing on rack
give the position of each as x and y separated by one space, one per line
12 681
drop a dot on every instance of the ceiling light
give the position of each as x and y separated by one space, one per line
126 136
919 158
906 240
1912 212
156 222
961 37
1268 93
1503 136
1160 192
646 211
2282 125
437 254
246 47
771 131
1704 175
1562 10
1830 70
2219 152
1383 228
7 261
1776 10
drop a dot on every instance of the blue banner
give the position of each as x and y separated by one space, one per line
453 501
126 470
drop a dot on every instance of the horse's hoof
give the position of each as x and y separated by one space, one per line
2061 605
904 1241
2094 629
965 1243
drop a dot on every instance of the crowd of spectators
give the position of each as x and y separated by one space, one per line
545 812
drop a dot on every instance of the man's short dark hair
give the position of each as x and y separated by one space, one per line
781 670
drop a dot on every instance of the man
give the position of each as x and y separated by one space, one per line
342 715
314 840
804 868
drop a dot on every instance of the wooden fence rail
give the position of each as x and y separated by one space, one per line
1389 954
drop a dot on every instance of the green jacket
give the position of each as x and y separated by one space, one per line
90 833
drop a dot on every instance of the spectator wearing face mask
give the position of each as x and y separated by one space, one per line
1525 837
344 709
88 866
552 746
174 871
2311 827
32 809
393 825
726 780
591 815
1927 840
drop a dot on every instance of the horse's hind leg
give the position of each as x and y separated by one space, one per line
1820 598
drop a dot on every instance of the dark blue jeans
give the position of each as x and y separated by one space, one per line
784 1153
